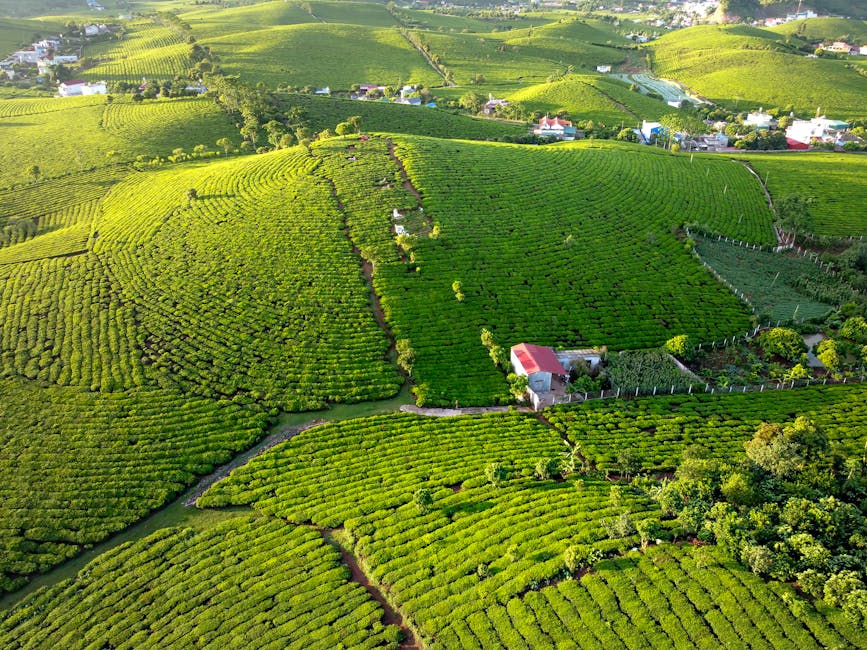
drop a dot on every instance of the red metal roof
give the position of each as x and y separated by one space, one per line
538 358
554 121
794 144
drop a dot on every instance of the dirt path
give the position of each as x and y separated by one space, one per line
407 184
285 433
430 61
783 240
390 616
470 410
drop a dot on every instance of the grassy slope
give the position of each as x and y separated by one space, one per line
748 67
214 21
38 132
838 182
322 54
147 51
506 217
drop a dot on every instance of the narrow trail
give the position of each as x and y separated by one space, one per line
619 105
782 240
455 412
366 271
407 183
565 437
391 616
430 61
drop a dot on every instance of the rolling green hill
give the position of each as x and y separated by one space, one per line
825 30
336 55
746 67
594 97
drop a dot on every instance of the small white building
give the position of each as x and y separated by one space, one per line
322 91
79 87
649 129
26 56
819 128
91 30
538 364
604 69
556 128
759 120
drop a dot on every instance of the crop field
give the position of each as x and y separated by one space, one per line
326 112
147 50
106 134
16 32
304 337
659 429
591 97
243 580
481 566
302 55
747 67
78 466
781 286
532 235
838 182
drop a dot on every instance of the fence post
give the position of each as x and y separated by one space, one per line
762 390
654 391
672 389
618 393
690 389
636 391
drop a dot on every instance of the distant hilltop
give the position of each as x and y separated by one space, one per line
743 10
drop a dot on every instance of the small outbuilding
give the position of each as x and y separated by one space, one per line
538 363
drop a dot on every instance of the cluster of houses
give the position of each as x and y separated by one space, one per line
841 47
555 127
79 87
408 95
45 54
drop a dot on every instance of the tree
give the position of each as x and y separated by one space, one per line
546 468
274 131
423 500
793 213
457 288
517 385
225 144
472 102
355 121
495 473
192 194
783 342
628 462
344 128
826 352
405 355
680 346
34 172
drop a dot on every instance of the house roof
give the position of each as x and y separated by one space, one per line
77 82
538 358
554 121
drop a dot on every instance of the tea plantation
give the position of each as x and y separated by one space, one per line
531 235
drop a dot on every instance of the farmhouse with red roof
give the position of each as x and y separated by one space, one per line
538 363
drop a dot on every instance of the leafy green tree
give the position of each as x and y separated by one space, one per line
680 346
274 131
517 385
628 462
34 172
472 102
225 144
854 329
344 128
495 473
827 353
423 500
192 194
405 355
783 342
546 468
793 213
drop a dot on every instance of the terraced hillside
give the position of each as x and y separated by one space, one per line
78 465
837 182
658 430
747 67
539 240
826 30
326 112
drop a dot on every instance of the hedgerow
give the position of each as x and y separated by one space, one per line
78 466
659 429
244 580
